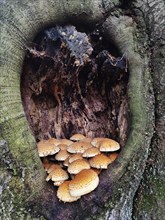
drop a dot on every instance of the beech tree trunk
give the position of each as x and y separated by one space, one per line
133 187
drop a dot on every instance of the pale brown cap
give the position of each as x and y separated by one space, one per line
100 161
66 142
58 183
66 162
88 140
113 157
63 193
98 171
91 152
78 165
78 147
45 149
77 137
95 141
54 141
62 146
74 157
53 167
62 155
57 175
83 183
46 163
109 145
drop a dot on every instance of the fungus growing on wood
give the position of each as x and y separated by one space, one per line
100 161
83 183
77 137
62 155
108 145
91 152
78 165
63 193
78 147
57 175
45 149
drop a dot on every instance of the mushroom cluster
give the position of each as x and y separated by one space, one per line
74 165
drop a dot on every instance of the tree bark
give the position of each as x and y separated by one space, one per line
136 179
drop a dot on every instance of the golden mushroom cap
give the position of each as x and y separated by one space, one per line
78 147
63 193
77 137
78 165
108 145
83 183
54 141
113 157
57 175
91 152
66 142
88 140
62 155
62 146
95 141
53 167
58 183
74 157
44 148
100 161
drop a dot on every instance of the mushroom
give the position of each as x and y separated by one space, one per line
95 141
78 165
100 161
57 175
46 163
63 193
88 140
66 142
66 162
62 146
74 157
62 155
54 141
83 183
113 157
45 148
58 183
91 152
108 145
78 147
53 167
77 137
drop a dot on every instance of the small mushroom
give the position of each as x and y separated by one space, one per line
63 193
54 141
58 183
74 157
66 142
62 146
57 175
84 182
77 137
62 155
53 167
78 147
108 145
91 152
100 161
95 141
45 149
78 165
113 157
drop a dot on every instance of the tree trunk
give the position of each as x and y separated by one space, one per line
133 186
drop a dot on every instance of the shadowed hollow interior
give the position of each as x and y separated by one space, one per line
75 82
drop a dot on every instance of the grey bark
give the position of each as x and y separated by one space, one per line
137 29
